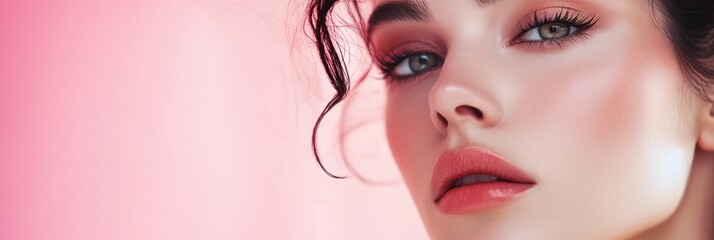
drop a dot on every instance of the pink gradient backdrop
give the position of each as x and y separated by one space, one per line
172 120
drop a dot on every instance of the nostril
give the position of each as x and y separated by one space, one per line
442 119
468 110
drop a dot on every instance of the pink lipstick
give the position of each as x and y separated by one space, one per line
473 179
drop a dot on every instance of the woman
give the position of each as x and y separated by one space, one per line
544 119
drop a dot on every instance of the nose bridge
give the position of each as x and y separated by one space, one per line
464 96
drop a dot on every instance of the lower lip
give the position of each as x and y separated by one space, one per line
480 196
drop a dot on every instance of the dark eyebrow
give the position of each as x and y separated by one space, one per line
414 10
396 11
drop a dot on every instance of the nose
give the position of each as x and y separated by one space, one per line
463 105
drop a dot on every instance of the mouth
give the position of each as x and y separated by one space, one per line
473 179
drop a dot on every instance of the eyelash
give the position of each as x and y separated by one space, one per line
389 62
564 16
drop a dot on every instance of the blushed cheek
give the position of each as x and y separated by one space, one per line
628 135
646 151
412 137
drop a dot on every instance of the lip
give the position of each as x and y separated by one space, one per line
453 165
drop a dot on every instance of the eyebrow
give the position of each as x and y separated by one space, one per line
409 10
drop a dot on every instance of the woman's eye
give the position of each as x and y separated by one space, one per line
415 64
548 31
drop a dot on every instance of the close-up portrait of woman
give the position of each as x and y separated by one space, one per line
357 119
540 119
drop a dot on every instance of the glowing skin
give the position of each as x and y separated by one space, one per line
605 124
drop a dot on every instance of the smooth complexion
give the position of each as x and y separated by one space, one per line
606 125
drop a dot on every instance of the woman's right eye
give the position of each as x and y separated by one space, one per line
415 64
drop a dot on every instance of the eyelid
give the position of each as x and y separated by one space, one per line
416 45
411 47
541 13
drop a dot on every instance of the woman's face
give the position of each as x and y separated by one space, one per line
584 98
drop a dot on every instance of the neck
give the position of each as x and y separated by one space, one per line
694 218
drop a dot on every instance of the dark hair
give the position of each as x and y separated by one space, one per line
689 24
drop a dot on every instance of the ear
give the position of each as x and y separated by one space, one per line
706 136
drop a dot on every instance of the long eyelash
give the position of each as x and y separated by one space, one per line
389 62
564 16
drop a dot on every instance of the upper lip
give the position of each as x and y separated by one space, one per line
456 164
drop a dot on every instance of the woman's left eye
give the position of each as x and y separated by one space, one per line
547 31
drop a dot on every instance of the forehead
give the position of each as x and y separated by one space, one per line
378 2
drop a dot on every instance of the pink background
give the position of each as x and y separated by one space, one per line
177 120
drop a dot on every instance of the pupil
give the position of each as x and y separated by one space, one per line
420 62
554 28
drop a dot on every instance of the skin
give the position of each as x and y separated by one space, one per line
617 142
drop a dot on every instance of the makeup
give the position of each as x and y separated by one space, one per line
473 179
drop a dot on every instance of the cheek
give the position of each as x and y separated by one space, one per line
619 131
412 137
